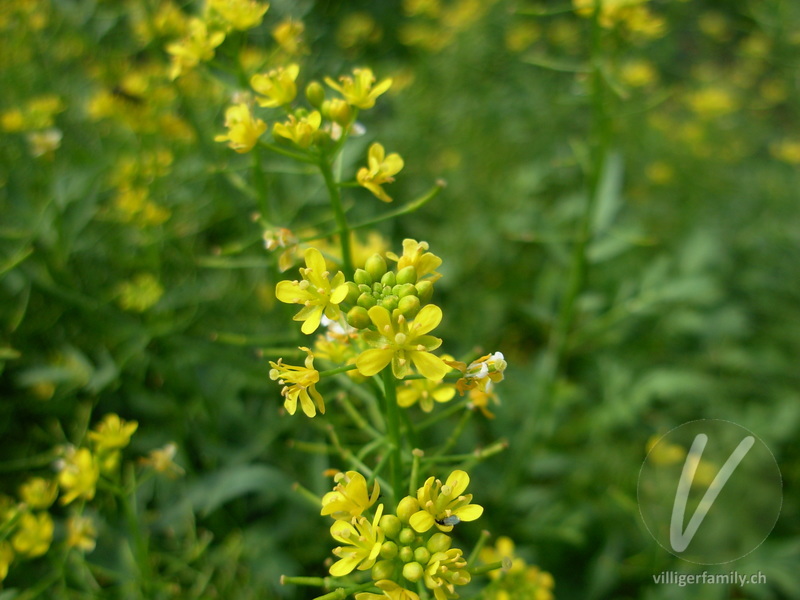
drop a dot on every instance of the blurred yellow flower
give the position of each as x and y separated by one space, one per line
140 293
787 151
300 131
34 534
299 383
81 533
239 14
38 493
78 474
197 46
359 90
6 558
712 102
112 433
638 73
415 254
380 170
390 590
289 36
162 460
426 392
243 129
277 87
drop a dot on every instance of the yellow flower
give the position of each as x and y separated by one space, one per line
390 590
162 460
712 102
480 399
440 502
444 571
139 294
401 343
787 151
317 295
480 373
38 493
112 433
289 36
34 534
81 533
278 87
503 550
198 46
358 90
78 474
381 170
300 131
298 383
243 129
363 543
239 14
351 498
6 558
282 238
415 254
426 391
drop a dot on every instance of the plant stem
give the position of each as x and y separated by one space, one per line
393 428
338 212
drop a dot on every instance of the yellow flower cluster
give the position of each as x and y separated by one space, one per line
517 581
400 549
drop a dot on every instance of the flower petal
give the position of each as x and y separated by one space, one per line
311 323
470 512
421 521
428 319
429 366
381 318
339 294
457 481
344 566
371 362
315 261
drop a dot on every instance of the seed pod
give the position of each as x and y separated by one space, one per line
375 266
407 275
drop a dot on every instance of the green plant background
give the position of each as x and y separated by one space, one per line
680 302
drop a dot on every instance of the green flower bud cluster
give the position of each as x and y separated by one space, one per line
408 556
376 285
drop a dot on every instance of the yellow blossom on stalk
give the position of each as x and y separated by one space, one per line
112 433
81 533
198 46
401 343
243 129
289 36
381 169
359 90
317 295
34 534
78 474
300 131
162 460
38 493
299 383
6 558
277 88
440 502
140 293
350 497
239 14
391 590
426 391
415 254
362 541
444 571
282 238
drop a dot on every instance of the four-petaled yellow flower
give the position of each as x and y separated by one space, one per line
239 14
440 502
480 374
381 170
358 90
34 534
298 383
300 131
198 46
415 254
350 497
317 295
363 543
78 474
426 391
243 128
278 87
113 433
81 533
390 590
401 343
38 493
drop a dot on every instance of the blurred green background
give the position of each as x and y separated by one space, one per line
134 280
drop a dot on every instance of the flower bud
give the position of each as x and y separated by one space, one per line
366 301
424 291
389 279
315 94
390 303
407 507
407 536
406 554
391 525
407 275
389 550
361 277
406 289
383 569
375 266
357 317
439 542
409 306
340 112
422 555
413 571
352 293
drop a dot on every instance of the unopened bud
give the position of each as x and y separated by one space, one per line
407 275
390 303
352 293
413 571
315 94
375 266
422 555
361 277
357 317
424 291
383 569
389 279
406 554
407 507
409 306
439 542
366 300
389 550
340 112
390 525
407 536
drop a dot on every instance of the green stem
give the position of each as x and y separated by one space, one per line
392 413
260 184
337 370
338 212
500 564
473 556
